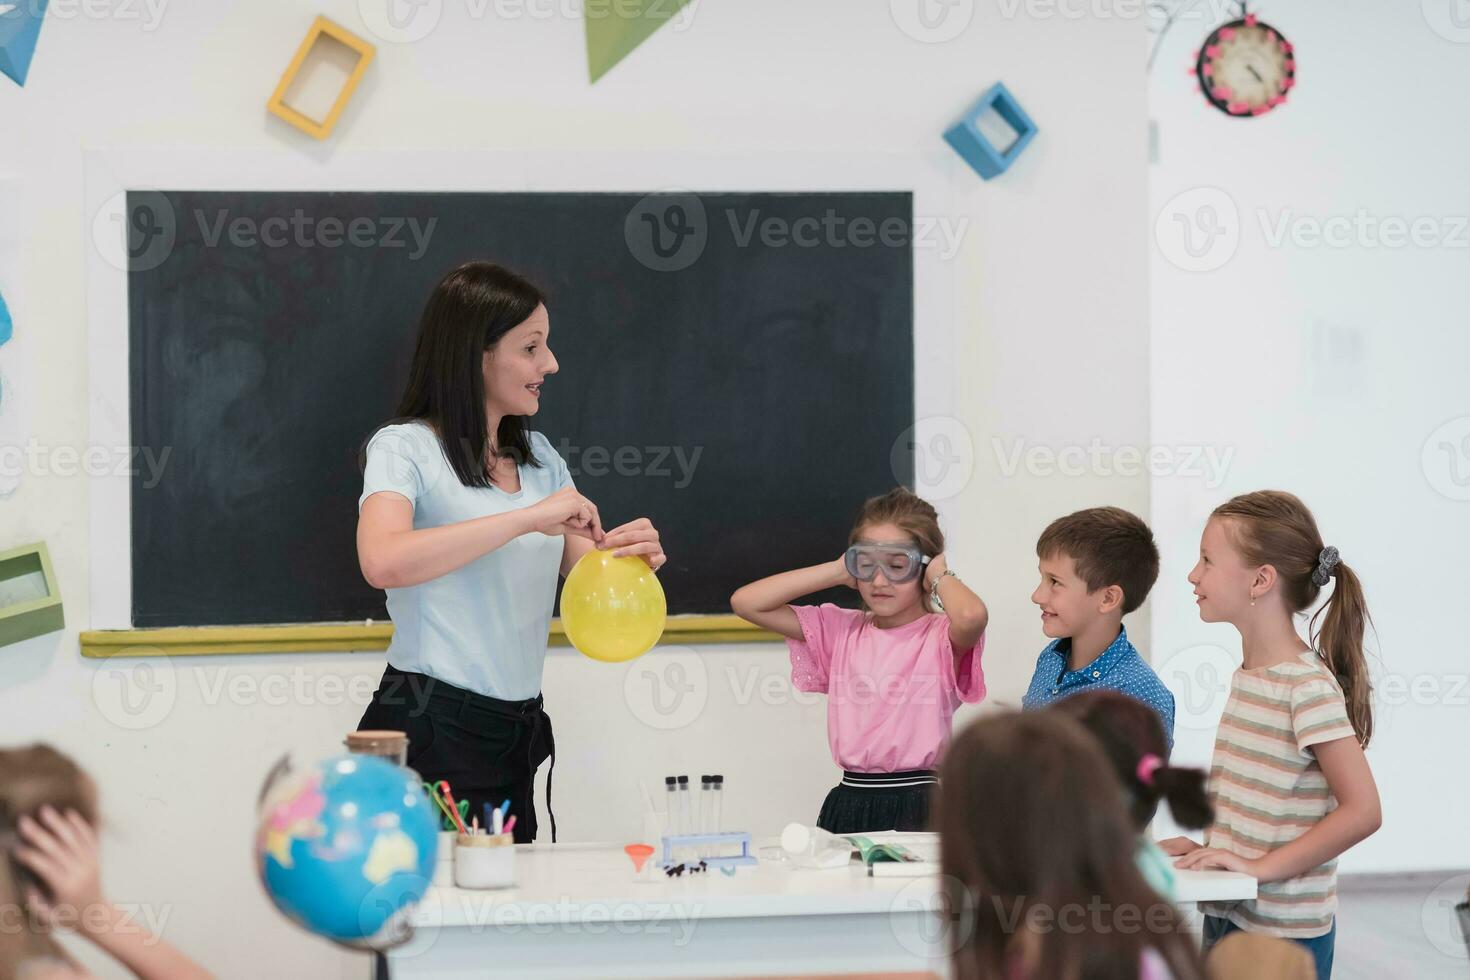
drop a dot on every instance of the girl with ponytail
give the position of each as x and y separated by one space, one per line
1132 737
1290 782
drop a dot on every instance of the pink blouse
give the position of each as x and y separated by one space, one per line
891 693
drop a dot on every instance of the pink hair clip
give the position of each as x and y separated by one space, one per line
1147 766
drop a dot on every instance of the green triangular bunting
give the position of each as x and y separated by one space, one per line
616 27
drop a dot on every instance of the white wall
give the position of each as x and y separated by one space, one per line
1053 355
1325 369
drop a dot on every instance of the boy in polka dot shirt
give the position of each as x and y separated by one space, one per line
1097 566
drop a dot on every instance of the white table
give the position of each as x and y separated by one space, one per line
577 912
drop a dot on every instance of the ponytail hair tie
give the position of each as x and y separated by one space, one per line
1327 562
1147 766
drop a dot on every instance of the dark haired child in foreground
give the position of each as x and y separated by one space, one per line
1132 738
894 672
1097 566
1032 891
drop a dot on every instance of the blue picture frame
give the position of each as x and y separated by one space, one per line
970 143
19 28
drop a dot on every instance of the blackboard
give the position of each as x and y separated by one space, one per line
766 337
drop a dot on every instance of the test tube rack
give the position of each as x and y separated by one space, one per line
722 841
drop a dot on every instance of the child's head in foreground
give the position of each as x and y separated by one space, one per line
1037 845
31 778
1096 564
1132 737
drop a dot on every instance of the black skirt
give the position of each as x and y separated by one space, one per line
865 802
487 749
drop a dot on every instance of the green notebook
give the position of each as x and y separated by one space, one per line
873 852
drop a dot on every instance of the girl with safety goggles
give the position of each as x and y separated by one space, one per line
893 671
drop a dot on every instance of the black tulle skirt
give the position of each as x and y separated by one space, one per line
865 802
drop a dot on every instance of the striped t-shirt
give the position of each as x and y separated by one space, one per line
1268 788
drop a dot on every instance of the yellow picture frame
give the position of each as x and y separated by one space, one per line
321 128
179 641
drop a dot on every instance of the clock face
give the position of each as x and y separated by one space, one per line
1246 68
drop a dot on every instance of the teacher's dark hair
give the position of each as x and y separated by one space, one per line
469 311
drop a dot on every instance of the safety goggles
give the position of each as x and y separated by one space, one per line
898 563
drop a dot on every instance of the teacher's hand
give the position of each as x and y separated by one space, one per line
567 512
638 537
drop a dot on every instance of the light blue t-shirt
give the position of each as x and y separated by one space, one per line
483 626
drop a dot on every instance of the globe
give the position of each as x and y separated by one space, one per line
346 848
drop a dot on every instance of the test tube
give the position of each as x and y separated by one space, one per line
671 806
716 800
706 813
686 822
686 819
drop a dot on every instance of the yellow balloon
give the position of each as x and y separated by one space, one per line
612 609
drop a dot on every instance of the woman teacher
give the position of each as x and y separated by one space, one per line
466 518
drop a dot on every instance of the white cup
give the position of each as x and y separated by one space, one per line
485 861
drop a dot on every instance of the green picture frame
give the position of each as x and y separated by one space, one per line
33 617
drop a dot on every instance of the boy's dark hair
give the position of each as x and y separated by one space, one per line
1109 546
